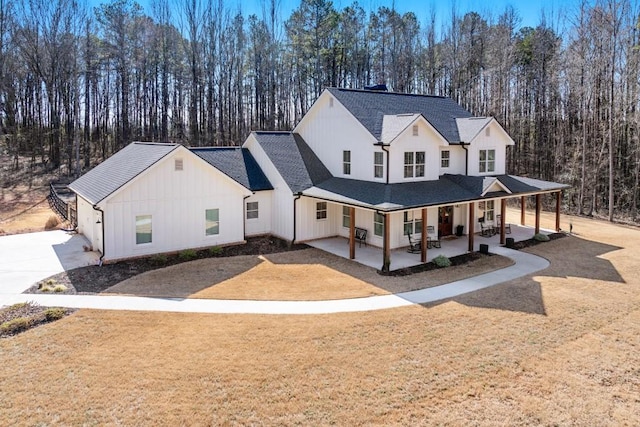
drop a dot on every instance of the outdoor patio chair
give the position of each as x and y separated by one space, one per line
507 227
486 230
415 245
432 238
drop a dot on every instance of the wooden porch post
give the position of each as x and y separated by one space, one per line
558 199
352 233
537 214
423 243
472 224
503 211
386 248
523 202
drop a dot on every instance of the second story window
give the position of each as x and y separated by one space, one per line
487 161
346 162
414 164
378 166
445 156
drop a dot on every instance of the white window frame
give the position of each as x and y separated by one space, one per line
211 226
378 164
412 223
346 162
489 210
485 163
139 229
413 166
321 211
253 210
378 224
445 159
346 217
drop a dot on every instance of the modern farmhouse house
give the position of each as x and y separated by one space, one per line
366 165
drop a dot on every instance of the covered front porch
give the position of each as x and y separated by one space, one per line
372 256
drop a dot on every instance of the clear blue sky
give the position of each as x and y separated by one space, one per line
530 11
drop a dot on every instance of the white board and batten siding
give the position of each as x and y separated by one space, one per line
428 141
493 137
176 200
309 227
90 223
262 224
329 129
281 214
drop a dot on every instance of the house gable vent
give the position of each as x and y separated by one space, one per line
179 164
415 130
330 102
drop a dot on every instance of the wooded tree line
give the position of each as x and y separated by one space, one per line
78 83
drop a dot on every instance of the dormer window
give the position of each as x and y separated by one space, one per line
414 164
178 164
415 130
487 161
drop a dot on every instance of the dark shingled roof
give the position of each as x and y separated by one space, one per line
295 161
449 189
237 163
369 107
106 178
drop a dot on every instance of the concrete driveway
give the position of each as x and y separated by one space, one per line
28 258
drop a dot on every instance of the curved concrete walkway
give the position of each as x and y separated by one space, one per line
524 264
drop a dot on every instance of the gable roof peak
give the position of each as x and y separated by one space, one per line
370 108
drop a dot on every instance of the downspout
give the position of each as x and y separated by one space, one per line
386 151
295 215
96 208
466 158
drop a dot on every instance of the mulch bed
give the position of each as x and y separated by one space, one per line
95 279
533 242
32 314
455 261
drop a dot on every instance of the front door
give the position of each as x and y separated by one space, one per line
445 221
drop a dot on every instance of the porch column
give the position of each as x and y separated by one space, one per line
537 214
503 211
523 202
423 243
472 224
386 247
352 233
558 199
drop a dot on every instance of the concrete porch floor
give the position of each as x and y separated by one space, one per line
372 256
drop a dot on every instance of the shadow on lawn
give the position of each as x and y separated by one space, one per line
569 257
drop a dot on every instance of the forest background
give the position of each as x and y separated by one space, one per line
78 82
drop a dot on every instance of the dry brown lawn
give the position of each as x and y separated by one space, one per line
24 209
561 347
309 274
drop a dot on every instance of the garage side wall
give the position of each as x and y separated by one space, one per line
176 200
90 223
